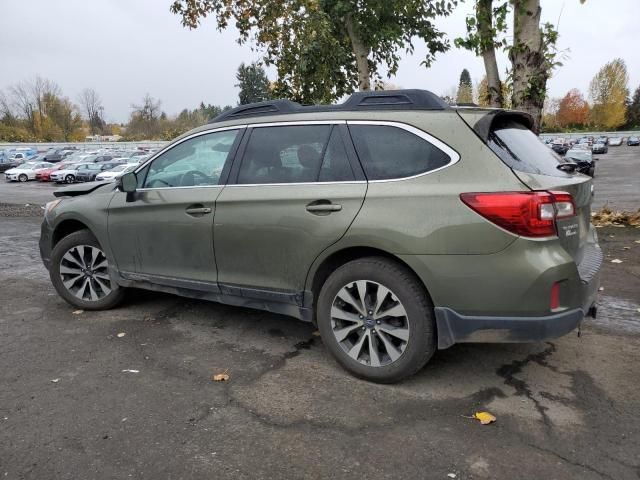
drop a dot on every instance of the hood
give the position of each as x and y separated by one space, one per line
80 189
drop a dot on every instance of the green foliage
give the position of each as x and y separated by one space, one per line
633 110
465 88
10 133
479 39
317 46
253 84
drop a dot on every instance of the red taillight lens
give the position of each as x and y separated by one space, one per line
555 296
529 214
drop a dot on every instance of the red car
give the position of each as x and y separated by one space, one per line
45 174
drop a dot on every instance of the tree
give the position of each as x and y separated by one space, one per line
325 49
608 92
532 52
573 110
633 110
91 103
253 83
145 119
465 88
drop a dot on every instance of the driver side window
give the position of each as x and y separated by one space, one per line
195 162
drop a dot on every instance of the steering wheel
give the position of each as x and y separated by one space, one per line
188 179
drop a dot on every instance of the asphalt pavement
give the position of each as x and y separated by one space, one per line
80 400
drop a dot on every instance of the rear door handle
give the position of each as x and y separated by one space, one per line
198 210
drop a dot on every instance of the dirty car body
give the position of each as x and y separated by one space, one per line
397 224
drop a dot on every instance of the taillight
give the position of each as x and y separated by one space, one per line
529 214
554 302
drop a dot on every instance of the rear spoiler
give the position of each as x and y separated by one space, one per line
484 121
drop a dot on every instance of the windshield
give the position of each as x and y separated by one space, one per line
519 148
578 155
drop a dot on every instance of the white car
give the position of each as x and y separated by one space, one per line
615 141
116 172
68 175
26 171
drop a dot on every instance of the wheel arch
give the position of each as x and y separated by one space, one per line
67 227
321 270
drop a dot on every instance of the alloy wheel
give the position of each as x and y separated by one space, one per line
370 323
85 274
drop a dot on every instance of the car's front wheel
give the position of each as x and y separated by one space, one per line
376 319
70 178
80 273
23 178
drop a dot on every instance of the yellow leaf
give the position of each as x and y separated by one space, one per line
221 377
484 417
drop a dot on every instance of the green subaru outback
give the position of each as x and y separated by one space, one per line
394 222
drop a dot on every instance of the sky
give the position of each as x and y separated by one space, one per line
126 48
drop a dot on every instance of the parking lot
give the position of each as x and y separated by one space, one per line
80 400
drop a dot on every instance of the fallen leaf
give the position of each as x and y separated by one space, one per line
121 334
451 475
601 289
484 417
316 333
637 241
128 370
55 380
616 260
626 248
221 377
78 312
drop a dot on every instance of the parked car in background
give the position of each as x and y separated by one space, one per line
367 221
603 139
633 141
560 146
8 164
116 172
44 175
89 173
68 174
58 155
600 147
583 158
26 171
615 141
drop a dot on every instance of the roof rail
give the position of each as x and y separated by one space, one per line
359 101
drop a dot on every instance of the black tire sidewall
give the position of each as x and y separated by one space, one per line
422 337
81 237
23 178
69 178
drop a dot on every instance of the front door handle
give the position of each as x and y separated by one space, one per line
197 210
323 207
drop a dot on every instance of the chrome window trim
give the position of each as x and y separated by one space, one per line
450 152
173 144
454 157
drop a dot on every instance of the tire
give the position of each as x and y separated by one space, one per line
69 178
417 324
23 178
69 259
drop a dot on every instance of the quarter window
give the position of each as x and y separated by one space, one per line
388 152
195 162
295 154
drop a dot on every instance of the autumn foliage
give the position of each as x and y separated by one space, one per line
573 110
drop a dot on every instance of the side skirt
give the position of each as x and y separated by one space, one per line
275 301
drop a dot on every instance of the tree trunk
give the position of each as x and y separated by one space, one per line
362 56
484 15
530 69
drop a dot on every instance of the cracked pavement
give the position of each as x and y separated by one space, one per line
565 408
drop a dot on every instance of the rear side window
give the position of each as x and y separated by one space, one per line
388 152
295 154
520 149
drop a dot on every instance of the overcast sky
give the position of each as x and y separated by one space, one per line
124 49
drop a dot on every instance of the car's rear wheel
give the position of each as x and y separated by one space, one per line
23 178
70 178
80 273
377 320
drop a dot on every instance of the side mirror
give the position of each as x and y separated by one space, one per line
129 182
